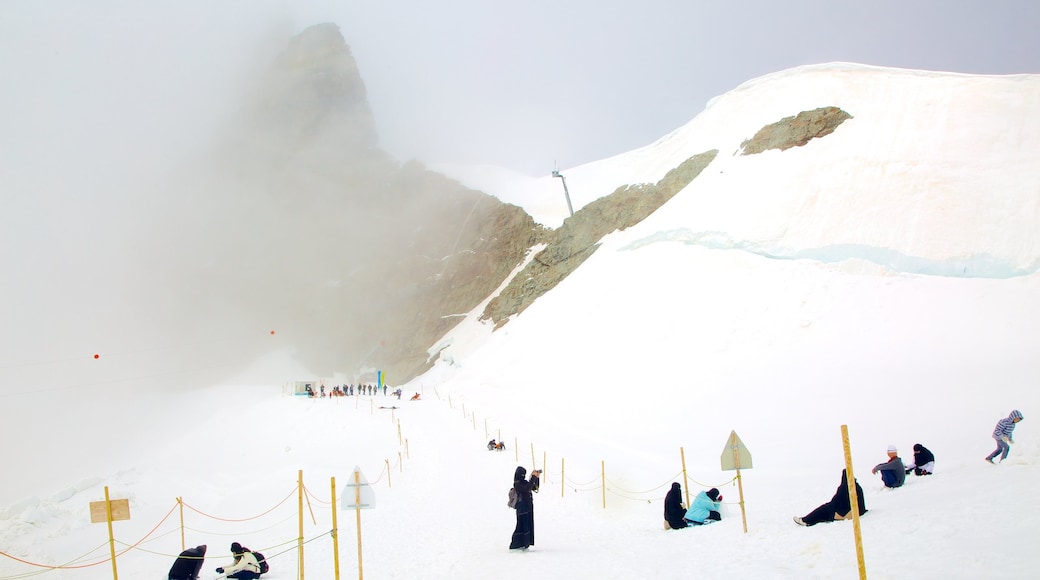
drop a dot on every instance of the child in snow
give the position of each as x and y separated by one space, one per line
704 509
1002 433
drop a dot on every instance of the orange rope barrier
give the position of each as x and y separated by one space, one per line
200 512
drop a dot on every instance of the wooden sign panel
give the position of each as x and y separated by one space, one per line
120 511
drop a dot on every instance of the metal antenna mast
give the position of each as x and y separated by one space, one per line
567 194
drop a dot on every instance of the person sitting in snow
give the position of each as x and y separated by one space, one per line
245 566
1002 433
893 472
924 461
415 397
704 509
674 510
839 508
491 445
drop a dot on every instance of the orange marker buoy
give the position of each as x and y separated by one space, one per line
272 332
97 356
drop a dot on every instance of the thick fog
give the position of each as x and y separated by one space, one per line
147 239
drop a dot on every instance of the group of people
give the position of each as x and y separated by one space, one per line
704 509
350 390
188 566
496 445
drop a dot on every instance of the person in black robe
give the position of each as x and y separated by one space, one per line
523 534
673 508
839 508
924 461
188 564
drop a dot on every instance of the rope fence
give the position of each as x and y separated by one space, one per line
550 477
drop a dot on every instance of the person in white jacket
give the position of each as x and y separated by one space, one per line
245 566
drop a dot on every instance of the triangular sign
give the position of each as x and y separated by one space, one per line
735 455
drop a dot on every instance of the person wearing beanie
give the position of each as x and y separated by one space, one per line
245 566
839 508
523 534
674 509
704 509
1002 433
188 564
893 472
924 461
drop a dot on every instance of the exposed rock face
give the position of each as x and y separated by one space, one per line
579 236
315 89
303 224
795 131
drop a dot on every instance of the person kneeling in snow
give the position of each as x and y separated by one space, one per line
245 566
705 508
674 511
924 461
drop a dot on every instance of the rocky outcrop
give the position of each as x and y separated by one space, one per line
795 131
579 236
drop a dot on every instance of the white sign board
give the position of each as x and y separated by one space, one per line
735 455
357 494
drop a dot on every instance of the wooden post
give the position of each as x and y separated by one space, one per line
685 481
180 506
357 511
335 532
853 502
299 508
111 536
388 482
740 486
516 449
534 464
603 481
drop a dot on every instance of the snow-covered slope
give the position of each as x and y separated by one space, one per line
881 277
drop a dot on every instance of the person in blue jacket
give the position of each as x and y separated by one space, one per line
704 509
1002 433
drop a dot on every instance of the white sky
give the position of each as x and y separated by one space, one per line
465 81
660 341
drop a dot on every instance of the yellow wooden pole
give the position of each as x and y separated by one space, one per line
740 484
685 481
299 509
740 489
473 418
111 536
406 454
534 464
398 431
563 478
853 502
388 483
400 462
516 449
357 512
180 505
335 531
485 428
603 481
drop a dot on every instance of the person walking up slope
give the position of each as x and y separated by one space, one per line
1002 433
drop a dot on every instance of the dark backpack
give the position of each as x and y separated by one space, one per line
512 498
264 568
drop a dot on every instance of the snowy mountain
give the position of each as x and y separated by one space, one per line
881 276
